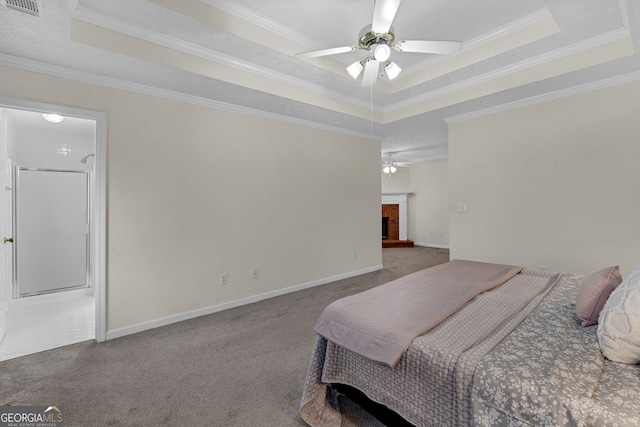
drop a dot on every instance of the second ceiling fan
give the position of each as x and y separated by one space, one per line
378 39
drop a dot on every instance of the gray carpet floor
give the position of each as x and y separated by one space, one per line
241 367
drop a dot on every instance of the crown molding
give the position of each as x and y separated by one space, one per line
624 12
520 24
249 15
544 58
113 83
91 17
575 90
500 32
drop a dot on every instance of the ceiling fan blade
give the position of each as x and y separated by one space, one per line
425 46
383 13
325 52
370 74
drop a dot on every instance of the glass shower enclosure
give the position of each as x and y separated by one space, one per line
51 231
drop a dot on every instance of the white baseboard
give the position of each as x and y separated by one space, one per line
431 245
128 330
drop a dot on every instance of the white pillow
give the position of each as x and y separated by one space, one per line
619 322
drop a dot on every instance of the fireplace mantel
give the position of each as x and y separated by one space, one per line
399 199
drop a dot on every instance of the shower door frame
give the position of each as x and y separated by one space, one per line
17 292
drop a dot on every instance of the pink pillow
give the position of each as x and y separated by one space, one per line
593 294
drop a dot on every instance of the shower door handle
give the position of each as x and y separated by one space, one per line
8 239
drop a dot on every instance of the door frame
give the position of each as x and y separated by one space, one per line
99 213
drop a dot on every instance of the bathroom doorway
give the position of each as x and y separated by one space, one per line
53 220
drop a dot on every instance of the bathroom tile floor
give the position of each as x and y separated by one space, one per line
36 327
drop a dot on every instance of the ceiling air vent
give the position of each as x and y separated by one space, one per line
30 7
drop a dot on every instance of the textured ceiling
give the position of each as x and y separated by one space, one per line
239 55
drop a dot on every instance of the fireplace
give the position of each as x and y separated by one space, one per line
385 227
392 215
394 209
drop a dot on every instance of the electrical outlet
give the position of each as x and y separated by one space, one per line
354 254
256 273
224 279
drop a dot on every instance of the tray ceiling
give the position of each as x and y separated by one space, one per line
239 55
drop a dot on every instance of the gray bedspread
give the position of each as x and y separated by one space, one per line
431 384
550 372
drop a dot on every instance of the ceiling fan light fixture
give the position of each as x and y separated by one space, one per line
378 39
392 69
388 168
381 53
355 69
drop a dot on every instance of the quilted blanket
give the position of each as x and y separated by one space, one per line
381 323
431 383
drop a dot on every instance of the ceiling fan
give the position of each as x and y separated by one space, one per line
378 39
389 166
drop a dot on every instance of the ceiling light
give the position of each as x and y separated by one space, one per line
392 69
355 69
388 168
53 118
381 53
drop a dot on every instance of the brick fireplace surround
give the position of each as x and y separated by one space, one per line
394 206
392 212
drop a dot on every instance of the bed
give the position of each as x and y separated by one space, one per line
513 355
